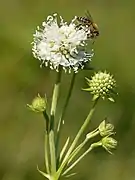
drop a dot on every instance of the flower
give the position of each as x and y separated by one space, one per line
109 143
61 44
102 84
38 104
106 129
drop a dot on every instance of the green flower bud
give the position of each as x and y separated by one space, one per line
108 143
102 84
106 129
38 104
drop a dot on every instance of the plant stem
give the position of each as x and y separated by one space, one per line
59 128
55 97
46 147
80 158
77 150
46 153
53 178
82 129
51 128
47 120
52 152
66 102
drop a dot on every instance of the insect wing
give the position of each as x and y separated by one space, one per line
88 15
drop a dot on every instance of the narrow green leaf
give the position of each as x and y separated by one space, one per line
88 79
69 175
64 148
43 173
86 89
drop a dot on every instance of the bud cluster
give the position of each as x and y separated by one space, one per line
106 130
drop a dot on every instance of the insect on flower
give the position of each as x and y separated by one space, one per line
90 24
58 43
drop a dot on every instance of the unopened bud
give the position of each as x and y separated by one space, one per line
106 129
109 143
102 84
38 104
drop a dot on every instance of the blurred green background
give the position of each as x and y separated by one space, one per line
21 131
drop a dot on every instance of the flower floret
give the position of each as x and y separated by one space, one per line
61 43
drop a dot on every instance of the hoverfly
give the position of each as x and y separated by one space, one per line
90 24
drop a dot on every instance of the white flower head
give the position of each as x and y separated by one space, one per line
61 44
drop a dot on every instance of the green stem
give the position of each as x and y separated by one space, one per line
52 152
66 102
46 147
59 128
47 120
77 150
53 178
46 153
80 158
52 115
55 97
82 129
